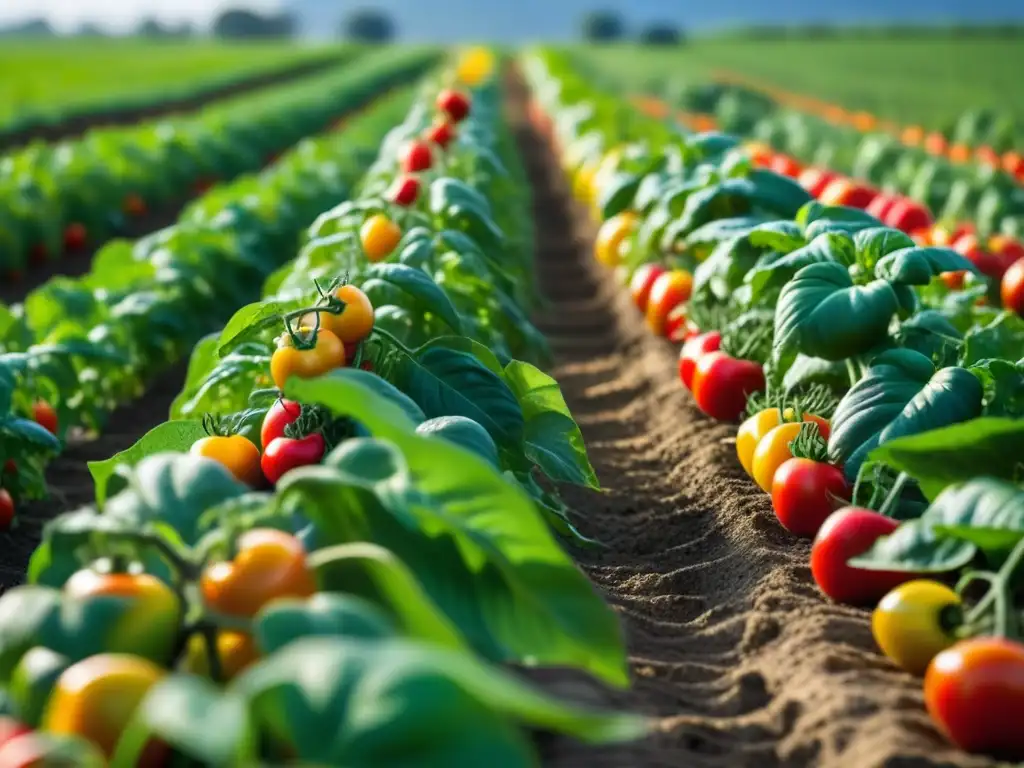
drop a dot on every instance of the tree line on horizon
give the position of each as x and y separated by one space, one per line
371 25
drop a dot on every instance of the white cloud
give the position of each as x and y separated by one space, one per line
119 15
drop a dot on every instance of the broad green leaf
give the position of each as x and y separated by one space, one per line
426 295
917 266
465 433
328 614
176 435
1001 338
983 514
249 322
877 242
957 453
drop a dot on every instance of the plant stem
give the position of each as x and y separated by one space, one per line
894 494
852 372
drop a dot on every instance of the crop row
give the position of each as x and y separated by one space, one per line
59 197
78 347
881 405
54 90
991 198
326 558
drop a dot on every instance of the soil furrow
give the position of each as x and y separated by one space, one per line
733 651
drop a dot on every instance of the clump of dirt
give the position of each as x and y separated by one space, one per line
734 652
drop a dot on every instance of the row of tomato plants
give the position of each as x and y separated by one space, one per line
24 119
350 523
989 197
58 198
882 406
78 347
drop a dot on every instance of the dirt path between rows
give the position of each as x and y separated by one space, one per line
733 651
76 125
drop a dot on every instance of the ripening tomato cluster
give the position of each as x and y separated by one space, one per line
322 342
1000 258
75 707
418 155
45 415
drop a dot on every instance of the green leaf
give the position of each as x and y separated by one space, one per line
901 395
817 219
177 435
442 707
917 266
552 438
1003 383
325 614
426 295
983 514
877 242
957 453
249 322
193 717
446 382
781 236
463 432
1001 338
29 432
777 269
488 539
821 313
618 194
25 613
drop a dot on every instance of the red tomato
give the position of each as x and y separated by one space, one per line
695 348
405 191
721 384
6 509
286 453
641 282
989 264
281 414
1006 248
45 416
907 216
75 236
441 133
784 165
1012 288
814 180
416 156
847 192
946 237
11 728
974 692
668 291
802 492
454 104
880 206
847 533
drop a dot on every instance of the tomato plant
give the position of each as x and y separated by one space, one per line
326 353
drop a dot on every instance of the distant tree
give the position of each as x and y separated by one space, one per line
661 34
30 28
603 27
238 23
90 29
368 25
151 28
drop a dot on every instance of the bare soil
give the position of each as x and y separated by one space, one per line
734 653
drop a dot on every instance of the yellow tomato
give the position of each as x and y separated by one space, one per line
239 455
379 236
96 697
772 452
235 650
288 360
750 433
915 622
610 237
475 66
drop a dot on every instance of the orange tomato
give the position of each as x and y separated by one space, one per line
353 324
668 291
235 650
379 236
288 360
237 454
269 564
611 236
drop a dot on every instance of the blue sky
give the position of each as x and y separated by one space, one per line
516 20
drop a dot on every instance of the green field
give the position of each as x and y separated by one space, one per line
66 76
929 80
